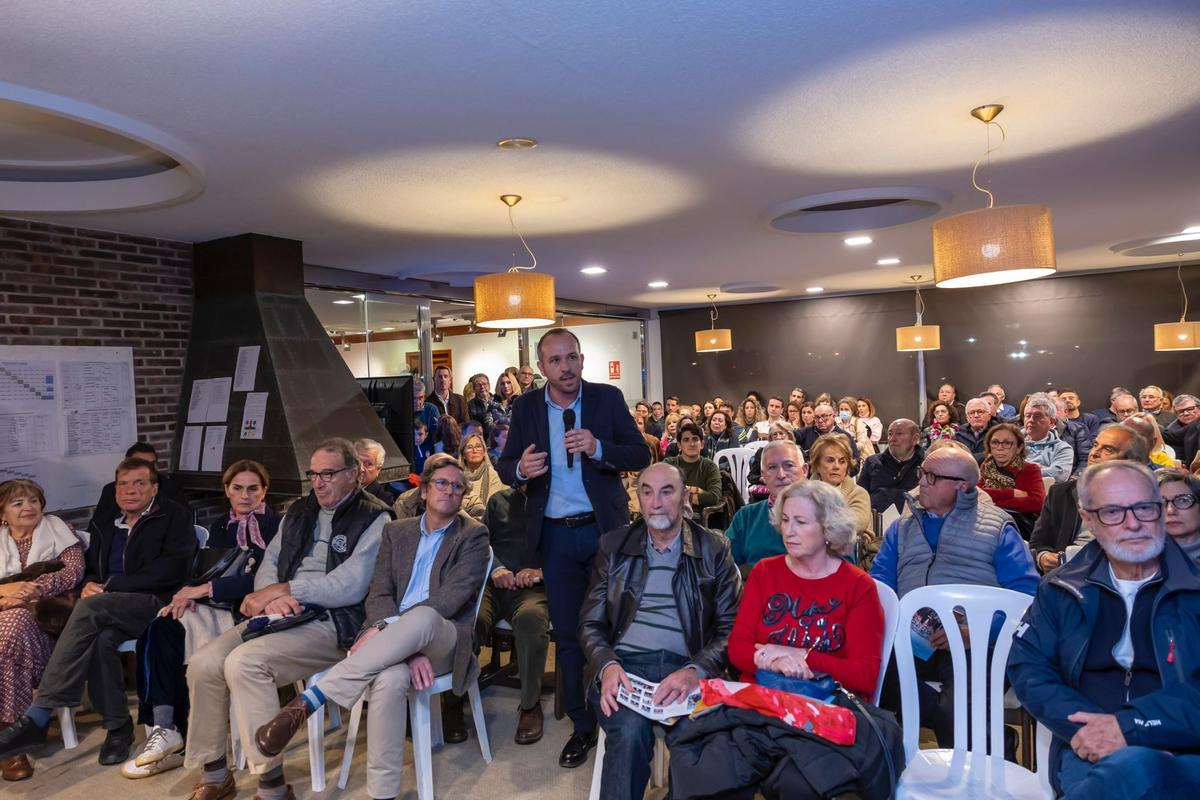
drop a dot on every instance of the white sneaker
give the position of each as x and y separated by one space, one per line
132 771
161 743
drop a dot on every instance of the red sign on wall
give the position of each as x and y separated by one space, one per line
614 370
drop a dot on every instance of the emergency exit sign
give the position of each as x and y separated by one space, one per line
614 370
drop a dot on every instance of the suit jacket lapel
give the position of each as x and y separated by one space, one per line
443 553
541 418
405 553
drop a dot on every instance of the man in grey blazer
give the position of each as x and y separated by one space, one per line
420 614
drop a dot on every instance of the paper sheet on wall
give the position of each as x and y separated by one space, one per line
189 452
247 369
254 415
209 401
214 449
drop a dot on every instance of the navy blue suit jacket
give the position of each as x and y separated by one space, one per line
623 449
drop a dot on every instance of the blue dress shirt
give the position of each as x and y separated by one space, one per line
567 496
418 584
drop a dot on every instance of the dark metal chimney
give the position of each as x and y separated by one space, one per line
250 291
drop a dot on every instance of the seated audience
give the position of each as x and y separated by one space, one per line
749 415
886 477
774 413
979 421
807 414
780 431
412 503
939 423
669 444
1184 433
950 537
1042 444
652 442
849 421
1075 412
526 379
422 409
824 421
168 487
1013 483
866 412
445 400
321 558
1181 493
1121 405
422 445
371 456
449 435
516 594
750 533
702 479
41 559
1058 533
1073 433
1108 655
797 396
507 390
135 561
1146 425
948 394
1155 404
721 435
656 421
709 408
198 613
496 440
485 481
418 623
660 605
1003 410
830 461
792 414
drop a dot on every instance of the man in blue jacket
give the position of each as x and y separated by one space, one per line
569 443
1108 655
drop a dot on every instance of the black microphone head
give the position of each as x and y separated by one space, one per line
569 418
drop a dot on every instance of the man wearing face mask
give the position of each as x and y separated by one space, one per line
751 535
824 421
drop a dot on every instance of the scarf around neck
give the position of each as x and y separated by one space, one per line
247 527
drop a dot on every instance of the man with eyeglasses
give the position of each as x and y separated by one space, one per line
1155 402
979 421
420 615
320 563
137 558
824 421
1121 406
1059 532
950 537
1108 655
1184 433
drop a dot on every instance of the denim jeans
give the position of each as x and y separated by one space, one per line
629 737
1131 773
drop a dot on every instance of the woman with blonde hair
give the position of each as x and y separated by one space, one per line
749 414
830 461
857 428
866 412
1147 425
485 481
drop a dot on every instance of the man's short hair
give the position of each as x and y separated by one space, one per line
1152 388
642 403
673 397
471 380
441 461
418 386
1184 399
130 464
141 447
836 520
339 446
995 397
688 426
1132 468
378 454
441 367
557 332
1042 400
781 443
1137 446
656 403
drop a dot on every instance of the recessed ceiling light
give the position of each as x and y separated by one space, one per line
887 262
343 302
1192 229
595 269
857 241
517 143
815 289
658 284
359 296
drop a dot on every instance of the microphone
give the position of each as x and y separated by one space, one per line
568 424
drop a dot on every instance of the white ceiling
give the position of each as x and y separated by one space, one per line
367 129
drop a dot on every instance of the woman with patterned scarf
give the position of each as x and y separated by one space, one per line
199 613
1013 483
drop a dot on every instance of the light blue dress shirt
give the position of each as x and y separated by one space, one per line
418 584
567 496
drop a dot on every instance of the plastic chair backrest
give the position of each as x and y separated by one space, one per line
201 536
979 604
757 444
891 618
487 574
739 465
887 517
1047 482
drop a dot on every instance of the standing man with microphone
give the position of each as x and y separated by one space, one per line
569 443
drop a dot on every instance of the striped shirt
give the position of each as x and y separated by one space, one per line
656 626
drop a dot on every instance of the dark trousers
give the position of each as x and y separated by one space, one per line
567 555
87 652
526 611
628 736
161 673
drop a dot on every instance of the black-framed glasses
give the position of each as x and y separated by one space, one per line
932 477
326 475
1182 502
444 485
1148 511
1187 410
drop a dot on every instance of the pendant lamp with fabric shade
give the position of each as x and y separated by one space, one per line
912 338
997 244
1182 335
714 339
518 298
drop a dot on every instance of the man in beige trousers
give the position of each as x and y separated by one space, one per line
323 556
420 612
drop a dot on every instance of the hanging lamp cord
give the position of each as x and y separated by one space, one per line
512 224
987 157
713 314
1182 288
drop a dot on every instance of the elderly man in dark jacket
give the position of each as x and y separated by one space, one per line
1108 655
888 475
660 605
420 610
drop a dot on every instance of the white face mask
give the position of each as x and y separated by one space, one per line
844 416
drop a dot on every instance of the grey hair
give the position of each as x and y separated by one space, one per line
1042 400
762 456
418 385
1181 399
832 512
341 447
781 425
1084 485
378 454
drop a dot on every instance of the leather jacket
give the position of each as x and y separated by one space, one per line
706 584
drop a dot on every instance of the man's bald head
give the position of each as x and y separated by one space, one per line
956 461
660 474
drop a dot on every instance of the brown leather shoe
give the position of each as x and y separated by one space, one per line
215 791
291 795
529 725
275 735
16 768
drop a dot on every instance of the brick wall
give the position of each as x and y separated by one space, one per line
87 288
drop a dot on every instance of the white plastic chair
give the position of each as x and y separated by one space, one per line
891 618
756 445
1047 481
425 719
980 771
201 536
658 766
738 459
887 517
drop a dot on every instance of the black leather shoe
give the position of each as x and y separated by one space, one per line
22 736
117 744
574 753
454 728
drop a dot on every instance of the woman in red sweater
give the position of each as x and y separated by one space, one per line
810 611
1013 483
